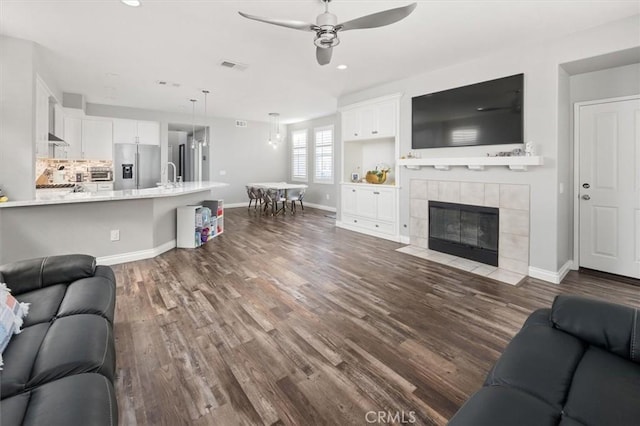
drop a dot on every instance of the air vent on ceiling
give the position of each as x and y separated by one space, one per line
241 123
234 65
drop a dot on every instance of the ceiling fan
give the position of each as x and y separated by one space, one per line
326 26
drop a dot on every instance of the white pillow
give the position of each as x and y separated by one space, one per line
12 314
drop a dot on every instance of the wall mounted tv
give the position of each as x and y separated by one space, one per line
487 113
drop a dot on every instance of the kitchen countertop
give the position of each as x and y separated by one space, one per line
129 194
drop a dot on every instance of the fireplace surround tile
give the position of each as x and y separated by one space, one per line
514 221
419 208
449 192
419 189
513 265
511 199
514 196
491 195
514 247
472 193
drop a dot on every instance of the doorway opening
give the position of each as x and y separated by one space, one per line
187 153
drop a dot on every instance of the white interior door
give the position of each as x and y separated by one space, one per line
609 137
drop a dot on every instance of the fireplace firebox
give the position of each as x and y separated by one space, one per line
465 231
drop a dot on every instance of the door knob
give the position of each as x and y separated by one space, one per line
586 197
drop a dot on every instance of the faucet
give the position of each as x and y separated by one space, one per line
174 172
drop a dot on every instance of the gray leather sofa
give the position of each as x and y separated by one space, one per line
60 369
576 364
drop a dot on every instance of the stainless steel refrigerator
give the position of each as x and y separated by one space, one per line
136 166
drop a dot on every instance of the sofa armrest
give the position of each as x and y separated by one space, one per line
32 274
539 317
610 326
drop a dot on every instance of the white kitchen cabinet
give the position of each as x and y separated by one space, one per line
105 186
58 125
73 136
149 132
97 139
42 120
374 121
134 131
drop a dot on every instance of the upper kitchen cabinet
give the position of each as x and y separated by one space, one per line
373 121
97 139
73 136
42 119
133 131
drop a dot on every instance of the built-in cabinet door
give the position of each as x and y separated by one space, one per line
125 131
97 139
149 132
351 125
349 199
366 203
386 119
386 205
368 122
73 136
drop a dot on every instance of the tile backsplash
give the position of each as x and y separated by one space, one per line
71 167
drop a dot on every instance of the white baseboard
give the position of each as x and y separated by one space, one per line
312 205
236 205
132 256
347 226
550 276
320 207
405 239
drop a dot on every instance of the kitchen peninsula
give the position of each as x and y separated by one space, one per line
114 226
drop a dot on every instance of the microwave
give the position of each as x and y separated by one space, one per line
100 174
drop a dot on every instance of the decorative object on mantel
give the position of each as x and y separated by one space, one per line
529 149
411 154
519 163
378 175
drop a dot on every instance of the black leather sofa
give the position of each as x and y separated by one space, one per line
60 369
575 364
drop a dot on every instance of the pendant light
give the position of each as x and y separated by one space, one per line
193 123
206 128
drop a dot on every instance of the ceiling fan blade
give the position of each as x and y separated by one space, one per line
379 19
323 55
296 25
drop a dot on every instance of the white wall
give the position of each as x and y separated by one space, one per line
17 118
241 153
317 192
539 63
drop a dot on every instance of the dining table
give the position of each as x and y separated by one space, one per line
280 186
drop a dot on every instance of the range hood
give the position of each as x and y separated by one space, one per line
54 140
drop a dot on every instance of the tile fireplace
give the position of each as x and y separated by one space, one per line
464 230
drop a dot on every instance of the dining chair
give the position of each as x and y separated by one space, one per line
252 196
274 196
296 195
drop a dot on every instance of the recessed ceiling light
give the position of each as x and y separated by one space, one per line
342 67
132 3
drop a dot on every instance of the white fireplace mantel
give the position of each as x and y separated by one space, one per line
519 163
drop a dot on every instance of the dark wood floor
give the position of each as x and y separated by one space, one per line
289 320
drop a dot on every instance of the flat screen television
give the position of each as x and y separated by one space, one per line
487 113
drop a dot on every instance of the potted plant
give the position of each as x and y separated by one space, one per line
379 175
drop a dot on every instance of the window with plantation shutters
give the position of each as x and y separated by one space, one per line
299 155
323 155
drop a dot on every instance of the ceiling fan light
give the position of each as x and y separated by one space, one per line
132 3
342 67
325 39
